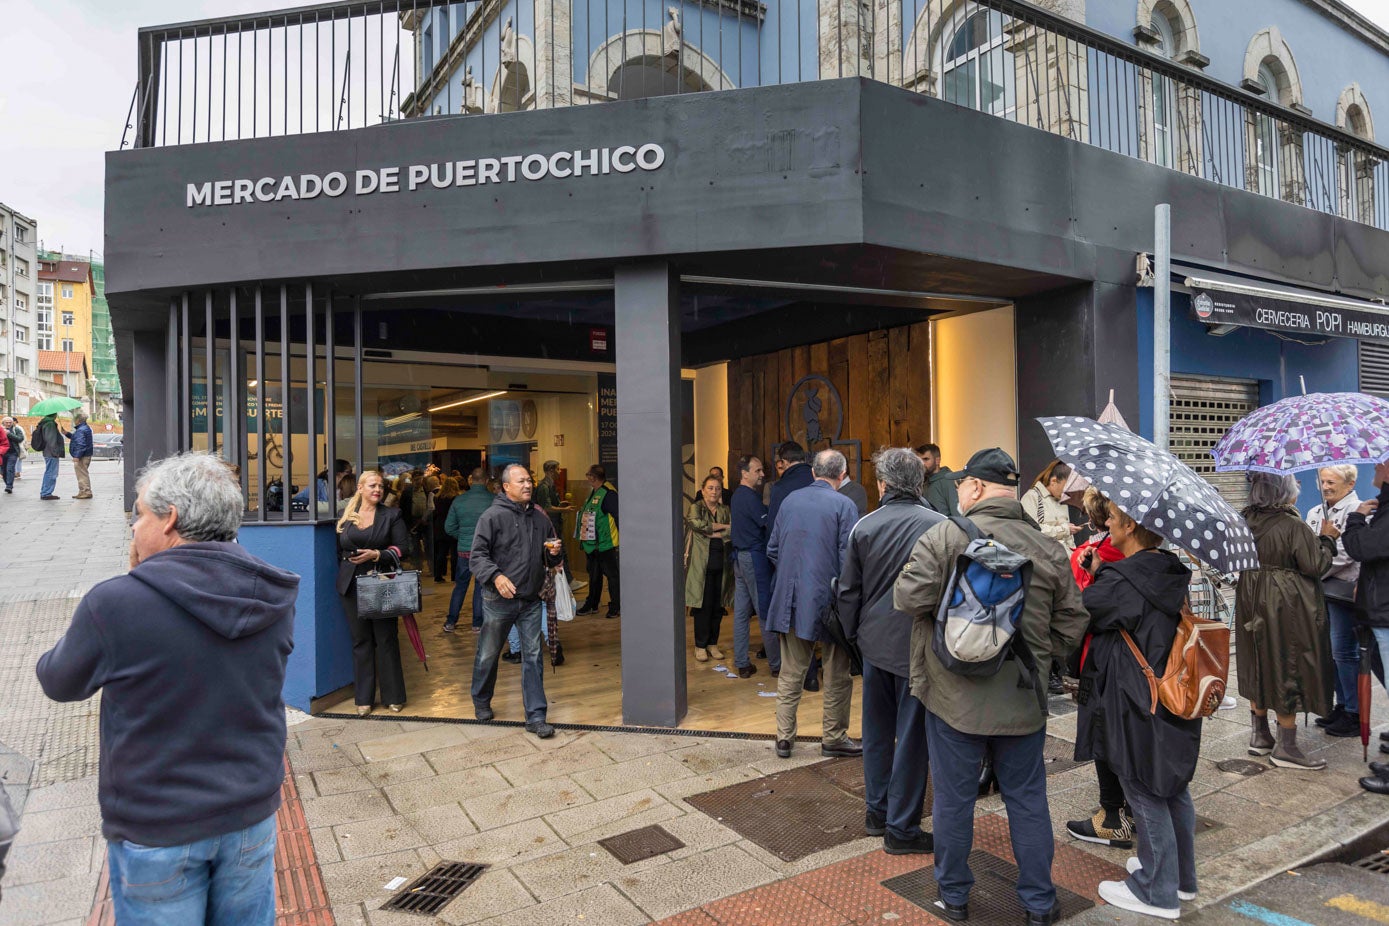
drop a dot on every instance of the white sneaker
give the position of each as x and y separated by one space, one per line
1117 893
1227 703
1133 864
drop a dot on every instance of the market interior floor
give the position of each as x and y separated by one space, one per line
587 688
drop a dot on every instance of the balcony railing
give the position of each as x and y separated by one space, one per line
351 64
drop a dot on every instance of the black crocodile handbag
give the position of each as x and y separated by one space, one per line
383 595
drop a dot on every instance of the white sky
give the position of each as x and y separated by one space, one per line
68 77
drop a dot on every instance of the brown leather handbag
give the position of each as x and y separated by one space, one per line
1198 668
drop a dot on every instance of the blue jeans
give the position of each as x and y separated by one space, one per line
1382 638
1345 651
1166 834
10 462
50 476
752 591
227 880
498 616
895 756
461 575
955 761
513 639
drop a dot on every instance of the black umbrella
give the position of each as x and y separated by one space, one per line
1157 490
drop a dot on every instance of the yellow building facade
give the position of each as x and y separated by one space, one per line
64 305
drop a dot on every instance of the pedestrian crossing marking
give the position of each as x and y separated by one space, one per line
1265 915
1366 908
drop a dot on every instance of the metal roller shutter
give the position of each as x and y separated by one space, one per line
1374 369
1202 411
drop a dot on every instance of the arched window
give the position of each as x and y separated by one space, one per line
649 75
976 69
1164 95
1266 136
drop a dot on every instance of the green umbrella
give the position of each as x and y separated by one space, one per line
55 406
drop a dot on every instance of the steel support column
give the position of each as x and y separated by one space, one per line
647 326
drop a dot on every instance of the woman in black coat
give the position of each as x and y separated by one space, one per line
368 533
1154 755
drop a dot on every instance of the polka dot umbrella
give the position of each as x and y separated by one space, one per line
1157 490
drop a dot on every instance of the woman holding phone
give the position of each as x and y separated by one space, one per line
369 534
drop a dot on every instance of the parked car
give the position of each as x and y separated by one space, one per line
107 446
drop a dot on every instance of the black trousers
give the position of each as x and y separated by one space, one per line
709 615
1111 788
375 657
445 556
602 564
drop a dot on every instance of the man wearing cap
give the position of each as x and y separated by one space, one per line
998 716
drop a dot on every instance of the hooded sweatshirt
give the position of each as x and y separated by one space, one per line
189 652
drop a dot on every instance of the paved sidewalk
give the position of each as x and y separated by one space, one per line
387 798
54 552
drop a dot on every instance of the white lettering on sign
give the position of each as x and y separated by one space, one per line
1283 319
512 168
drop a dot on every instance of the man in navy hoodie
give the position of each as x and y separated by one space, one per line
189 653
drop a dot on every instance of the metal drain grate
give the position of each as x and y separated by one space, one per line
647 842
1377 863
994 897
1242 767
431 891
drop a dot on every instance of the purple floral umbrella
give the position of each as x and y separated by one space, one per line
1306 432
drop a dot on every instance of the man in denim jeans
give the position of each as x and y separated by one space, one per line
752 589
513 545
460 524
188 651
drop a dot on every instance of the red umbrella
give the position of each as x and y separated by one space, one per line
547 595
1364 689
413 629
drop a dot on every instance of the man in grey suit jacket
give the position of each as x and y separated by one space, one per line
855 493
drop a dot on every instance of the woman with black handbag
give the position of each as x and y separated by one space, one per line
369 533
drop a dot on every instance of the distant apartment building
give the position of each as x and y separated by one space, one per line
18 310
73 320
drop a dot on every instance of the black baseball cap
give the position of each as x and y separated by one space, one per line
992 465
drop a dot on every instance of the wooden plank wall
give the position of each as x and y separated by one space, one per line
884 383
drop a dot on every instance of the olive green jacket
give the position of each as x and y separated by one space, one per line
698 527
1053 622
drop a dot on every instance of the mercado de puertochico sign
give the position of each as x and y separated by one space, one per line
561 165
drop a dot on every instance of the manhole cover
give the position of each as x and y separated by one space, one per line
1378 863
791 814
431 891
1242 767
1059 756
647 842
994 897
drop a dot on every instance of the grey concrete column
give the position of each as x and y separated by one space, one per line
147 435
647 333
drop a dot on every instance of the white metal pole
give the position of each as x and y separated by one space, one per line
1162 324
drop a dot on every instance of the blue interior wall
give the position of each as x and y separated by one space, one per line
1247 353
322 657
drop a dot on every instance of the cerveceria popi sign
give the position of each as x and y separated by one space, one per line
561 165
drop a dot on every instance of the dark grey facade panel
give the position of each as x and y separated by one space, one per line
741 170
1073 346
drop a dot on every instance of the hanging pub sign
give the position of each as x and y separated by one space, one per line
1251 310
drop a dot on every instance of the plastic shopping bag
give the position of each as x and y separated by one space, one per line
564 597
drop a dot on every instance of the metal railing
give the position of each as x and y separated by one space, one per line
351 64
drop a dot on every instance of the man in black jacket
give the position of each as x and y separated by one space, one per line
513 545
894 722
1367 542
188 651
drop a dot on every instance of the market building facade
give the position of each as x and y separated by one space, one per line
863 225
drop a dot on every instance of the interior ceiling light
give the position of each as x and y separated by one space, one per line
468 401
401 419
